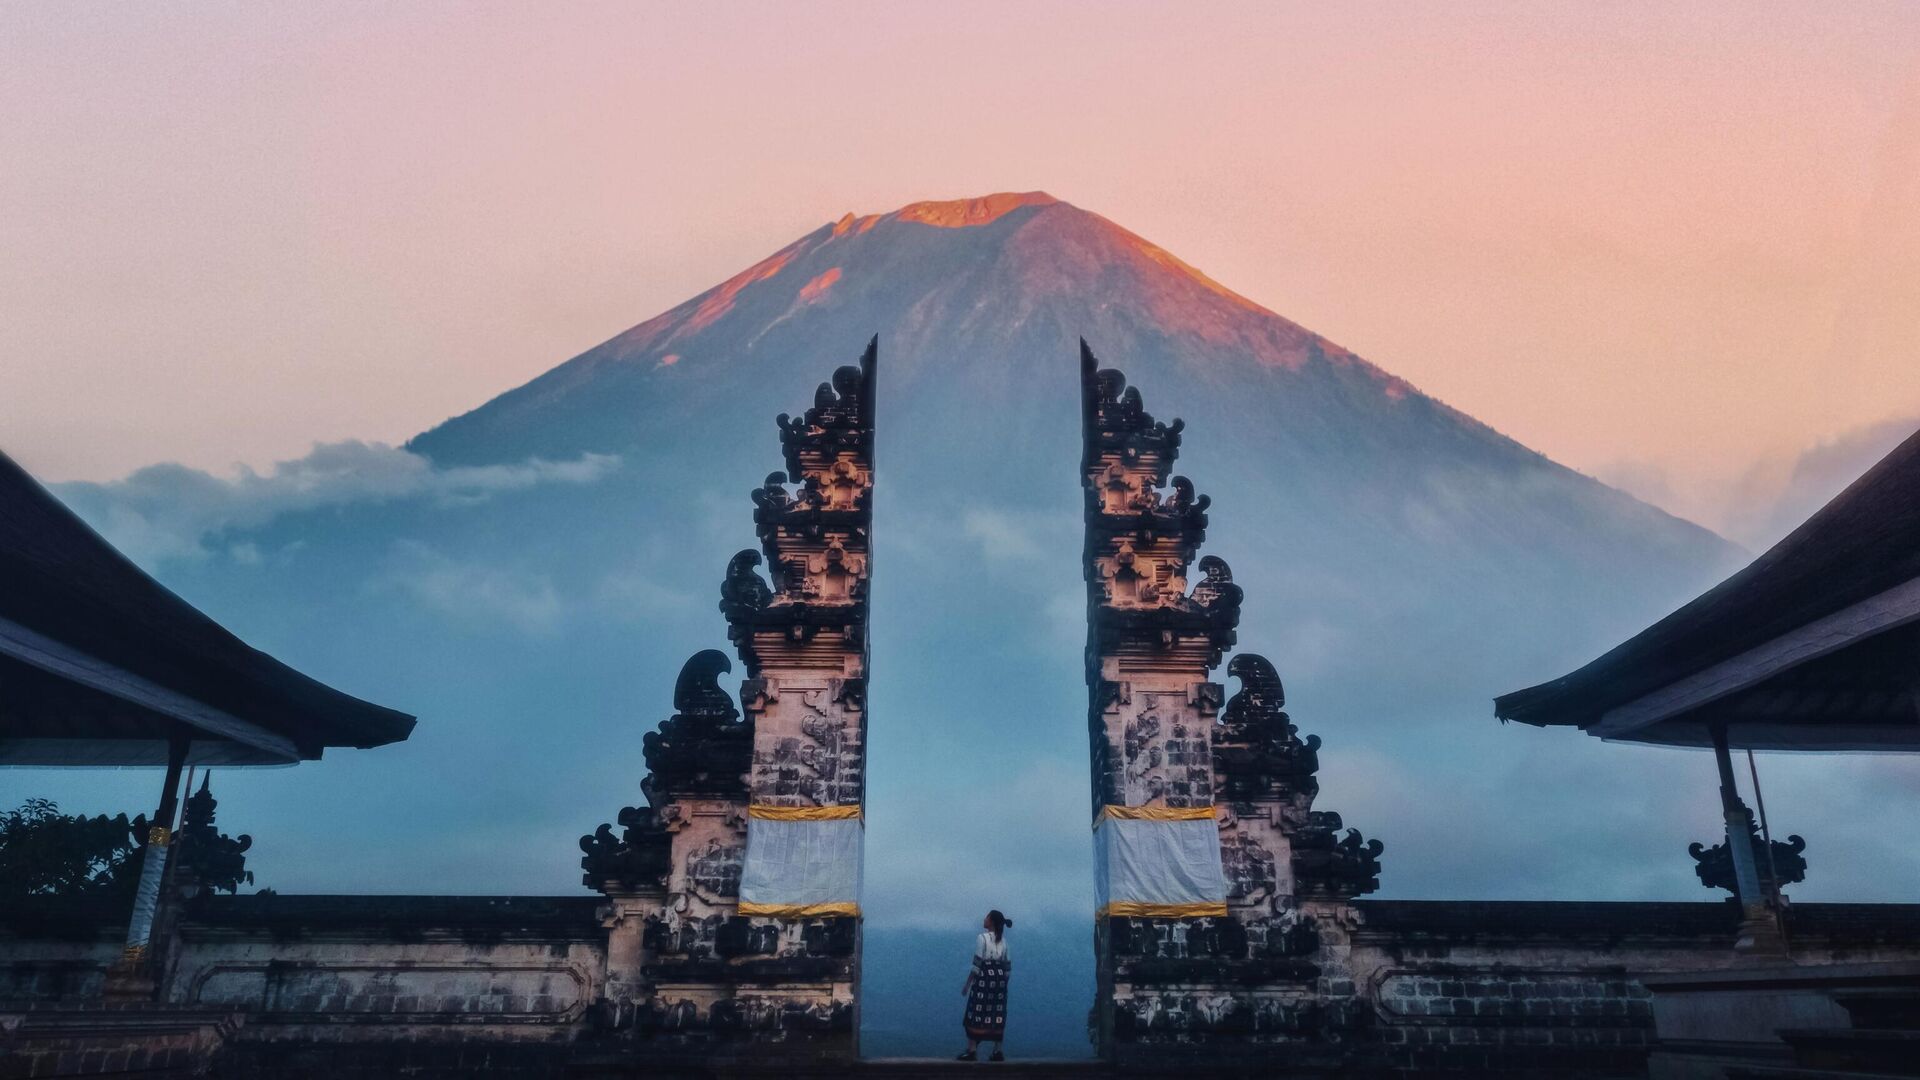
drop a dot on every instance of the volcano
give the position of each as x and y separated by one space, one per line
1341 470
988 293
983 295
1402 563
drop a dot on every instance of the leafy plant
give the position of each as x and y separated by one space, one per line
46 853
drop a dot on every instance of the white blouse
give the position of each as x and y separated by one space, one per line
989 949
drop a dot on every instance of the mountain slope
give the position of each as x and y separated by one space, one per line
978 304
1006 280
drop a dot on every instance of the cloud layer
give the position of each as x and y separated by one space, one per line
171 511
1767 499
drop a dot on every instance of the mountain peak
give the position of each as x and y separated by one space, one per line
950 213
998 274
961 213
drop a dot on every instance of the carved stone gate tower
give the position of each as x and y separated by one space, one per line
1223 898
733 895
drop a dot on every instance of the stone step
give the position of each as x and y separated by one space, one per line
1324 1065
1895 1052
905 1068
915 1068
1797 1072
900 1068
1883 1007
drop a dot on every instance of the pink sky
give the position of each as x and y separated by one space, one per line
1665 241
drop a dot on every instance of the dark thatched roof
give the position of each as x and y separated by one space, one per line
1825 621
102 665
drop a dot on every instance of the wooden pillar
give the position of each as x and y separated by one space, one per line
131 979
146 899
1759 932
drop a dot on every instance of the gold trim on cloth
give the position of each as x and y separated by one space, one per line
809 911
1154 813
1133 909
803 813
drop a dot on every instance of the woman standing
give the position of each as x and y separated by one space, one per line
986 988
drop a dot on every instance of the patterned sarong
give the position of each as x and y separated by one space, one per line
986 1017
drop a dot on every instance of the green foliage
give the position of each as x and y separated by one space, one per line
46 853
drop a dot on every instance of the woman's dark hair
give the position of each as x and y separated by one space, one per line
998 923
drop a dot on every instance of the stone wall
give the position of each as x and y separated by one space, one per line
59 949
370 985
251 985
318 967
1512 986
1383 987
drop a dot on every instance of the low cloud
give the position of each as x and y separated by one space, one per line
639 594
1650 482
471 590
1767 499
1066 617
1001 535
1775 496
1024 845
169 511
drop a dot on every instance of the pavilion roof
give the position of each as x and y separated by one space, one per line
101 665
1814 645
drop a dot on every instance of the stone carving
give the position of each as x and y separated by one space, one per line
714 874
1184 950
704 748
703 751
1117 419
815 541
640 858
1257 751
215 860
841 417
740 936
1216 593
1715 864
1218 599
1186 1017
1183 501
808 749
1328 865
1251 872
1255 710
772 498
756 1017
1164 753
1141 541
743 593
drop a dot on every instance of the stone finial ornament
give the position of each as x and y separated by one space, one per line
215 860
1117 419
1257 750
641 857
1714 865
1326 864
704 748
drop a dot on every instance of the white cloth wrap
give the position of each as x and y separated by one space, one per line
146 895
802 862
1157 862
